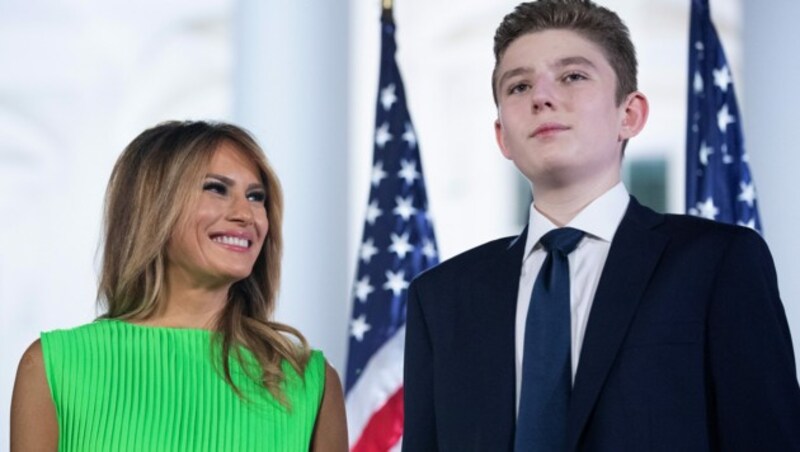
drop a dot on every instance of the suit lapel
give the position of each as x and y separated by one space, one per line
633 256
494 302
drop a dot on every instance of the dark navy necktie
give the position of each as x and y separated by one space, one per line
546 360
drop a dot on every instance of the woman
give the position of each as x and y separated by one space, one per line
186 356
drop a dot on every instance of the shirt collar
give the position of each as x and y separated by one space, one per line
600 219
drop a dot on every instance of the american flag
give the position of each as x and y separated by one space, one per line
719 185
398 243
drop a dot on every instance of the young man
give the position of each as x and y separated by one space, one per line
670 333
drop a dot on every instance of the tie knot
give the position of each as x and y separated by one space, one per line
562 239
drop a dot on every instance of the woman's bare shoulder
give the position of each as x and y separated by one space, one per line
330 431
33 416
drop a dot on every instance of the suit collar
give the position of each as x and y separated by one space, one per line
599 219
633 257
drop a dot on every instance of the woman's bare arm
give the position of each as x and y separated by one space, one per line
34 426
330 431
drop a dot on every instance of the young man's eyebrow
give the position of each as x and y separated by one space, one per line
513 72
563 62
575 61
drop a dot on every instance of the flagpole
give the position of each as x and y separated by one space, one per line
387 10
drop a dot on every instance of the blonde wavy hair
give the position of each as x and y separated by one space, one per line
155 179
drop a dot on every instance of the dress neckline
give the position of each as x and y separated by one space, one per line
155 327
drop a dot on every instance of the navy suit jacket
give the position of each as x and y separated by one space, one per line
687 347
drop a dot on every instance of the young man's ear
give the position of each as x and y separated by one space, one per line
498 135
634 115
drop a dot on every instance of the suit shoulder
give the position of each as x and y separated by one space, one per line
714 241
467 261
685 227
694 228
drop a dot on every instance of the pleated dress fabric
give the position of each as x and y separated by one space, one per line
124 387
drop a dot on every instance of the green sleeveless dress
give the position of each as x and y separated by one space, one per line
124 387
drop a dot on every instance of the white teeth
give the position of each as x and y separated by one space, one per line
235 241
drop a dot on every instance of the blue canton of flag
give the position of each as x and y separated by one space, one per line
398 243
719 185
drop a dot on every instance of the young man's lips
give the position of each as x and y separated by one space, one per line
545 129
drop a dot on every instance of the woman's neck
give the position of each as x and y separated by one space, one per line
189 306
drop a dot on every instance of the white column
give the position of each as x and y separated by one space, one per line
290 74
770 120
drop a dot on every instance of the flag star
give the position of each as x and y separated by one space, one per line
724 118
408 172
373 212
404 207
363 289
704 152
707 209
359 326
382 135
388 97
400 245
726 158
378 174
396 282
698 45
429 249
749 224
367 250
747 193
722 78
698 83
409 136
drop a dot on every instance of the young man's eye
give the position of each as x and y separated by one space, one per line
518 88
257 196
215 187
574 77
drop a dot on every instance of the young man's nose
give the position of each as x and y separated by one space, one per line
542 95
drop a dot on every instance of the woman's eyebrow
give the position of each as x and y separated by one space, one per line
228 181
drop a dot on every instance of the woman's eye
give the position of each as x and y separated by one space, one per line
257 196
215 187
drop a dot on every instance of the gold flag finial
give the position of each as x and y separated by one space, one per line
387 10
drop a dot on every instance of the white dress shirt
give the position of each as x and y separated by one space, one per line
599 220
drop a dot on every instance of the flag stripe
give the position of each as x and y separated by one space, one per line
384 428
382 378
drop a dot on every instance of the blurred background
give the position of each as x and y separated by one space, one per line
80 79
